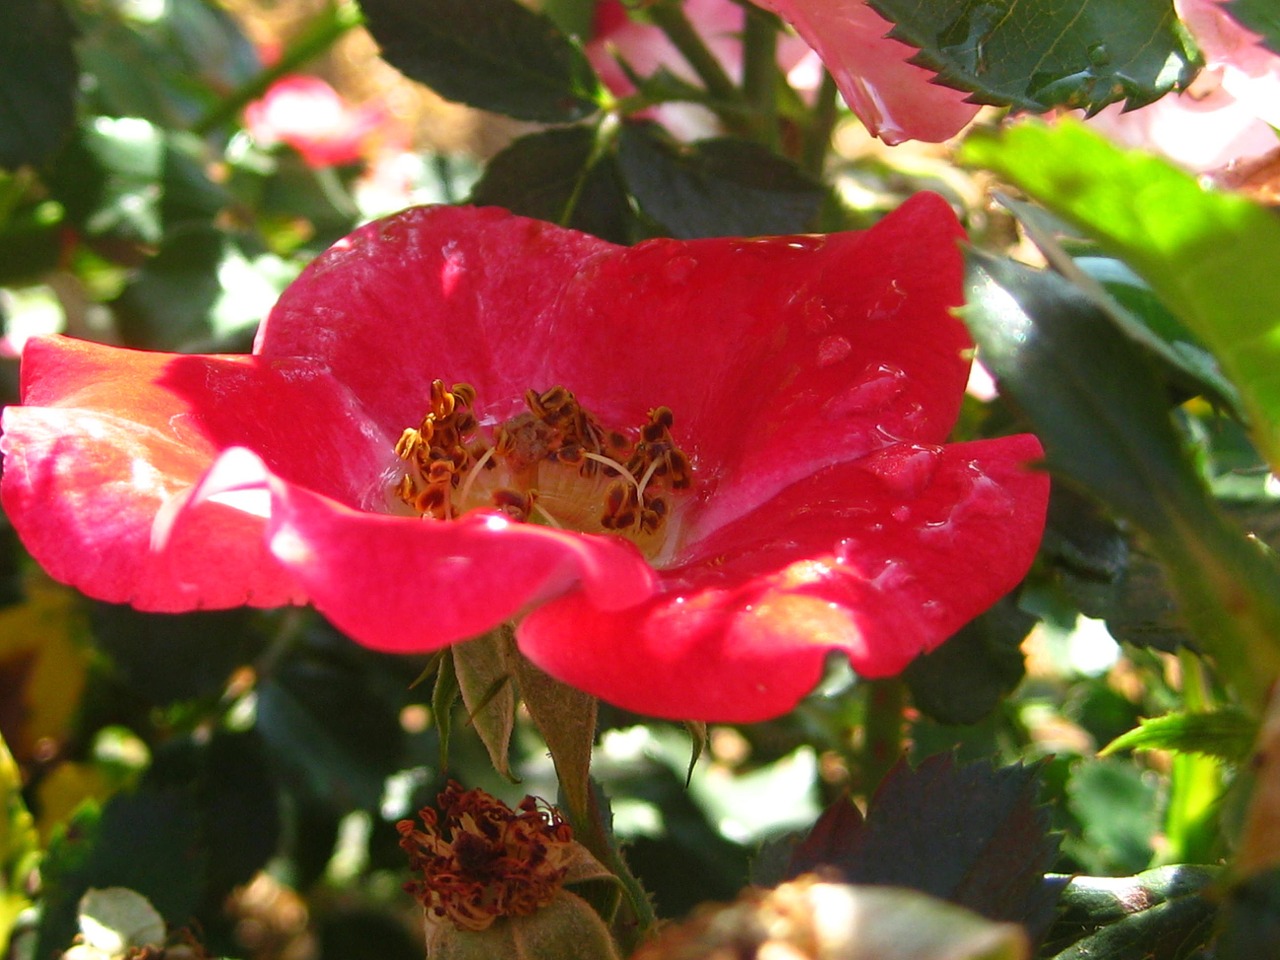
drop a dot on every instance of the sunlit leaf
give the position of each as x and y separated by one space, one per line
1227 734
1210 256
1036 56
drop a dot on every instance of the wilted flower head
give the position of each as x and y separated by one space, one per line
688 470
478 860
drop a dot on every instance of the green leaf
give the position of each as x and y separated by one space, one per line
966 678
1117 807
1034 55
1101 413
715 188
19 846
1260 16
486 678
38 76
561 176
1250 925
1161 914
147 841
970 834
1228 734
1209 256
497 55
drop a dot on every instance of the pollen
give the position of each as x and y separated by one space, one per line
552 463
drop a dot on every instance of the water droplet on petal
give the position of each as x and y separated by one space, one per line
905 469
901 513
985 497
679 269
894 575
832 350
879 384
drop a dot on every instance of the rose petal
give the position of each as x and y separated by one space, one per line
405 584
881 560
110 440
896 100
778 356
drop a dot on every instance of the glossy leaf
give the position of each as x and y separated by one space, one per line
1037 56
497 55
715 188
1161 914
1210 256
1102 416
1225 733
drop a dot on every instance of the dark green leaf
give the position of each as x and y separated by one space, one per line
332 733
147 841
1087 553
493 54
969 834
1251 919
38 76
559 176
1092 397
965 679
1228 734
1157 915
168 302
1260 16
166 658
715 188
1036 56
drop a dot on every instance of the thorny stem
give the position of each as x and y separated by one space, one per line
760 74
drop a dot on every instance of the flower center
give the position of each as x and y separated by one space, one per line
553 463
479 860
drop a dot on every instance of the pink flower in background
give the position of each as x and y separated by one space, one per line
1231 110
309 115
688 470
894 99
644 48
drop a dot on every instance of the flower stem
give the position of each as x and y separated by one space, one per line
817 136
671 20
328 26
882 732
760 74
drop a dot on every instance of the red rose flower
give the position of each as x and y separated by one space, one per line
690 469
895 99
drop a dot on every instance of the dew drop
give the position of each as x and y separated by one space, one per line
833 349
679 269
905 469
901 513
879 384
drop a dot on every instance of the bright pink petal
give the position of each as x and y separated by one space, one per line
108 440
777 356
312 117
404 584
882 560
896 100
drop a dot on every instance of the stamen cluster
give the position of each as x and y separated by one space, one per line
531 468
480 860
